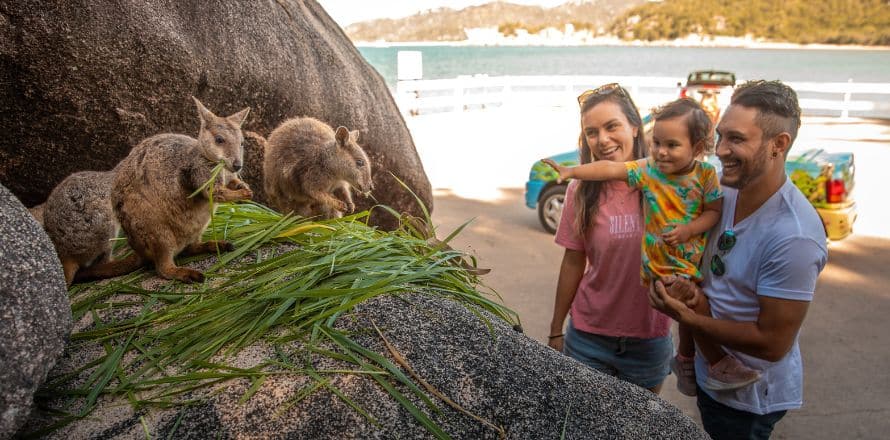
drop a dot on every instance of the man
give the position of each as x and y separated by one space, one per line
760 266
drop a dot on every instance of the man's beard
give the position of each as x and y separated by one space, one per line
751 170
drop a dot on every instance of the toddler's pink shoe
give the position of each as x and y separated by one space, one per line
730 374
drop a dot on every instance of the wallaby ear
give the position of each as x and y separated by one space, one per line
342 136
354 135
238 118
206 115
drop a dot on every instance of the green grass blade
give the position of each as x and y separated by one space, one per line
254 387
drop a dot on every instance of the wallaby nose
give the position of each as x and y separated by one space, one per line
236 167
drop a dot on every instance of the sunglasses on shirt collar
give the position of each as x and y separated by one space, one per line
724 244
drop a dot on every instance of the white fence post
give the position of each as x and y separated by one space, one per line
570 88
409 68
506 93
459 93
845 113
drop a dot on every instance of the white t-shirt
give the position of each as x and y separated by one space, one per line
780 250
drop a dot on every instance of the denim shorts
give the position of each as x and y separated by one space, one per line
643 362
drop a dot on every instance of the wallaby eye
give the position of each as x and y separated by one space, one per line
219 139
360 162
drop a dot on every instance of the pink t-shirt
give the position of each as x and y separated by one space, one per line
610 299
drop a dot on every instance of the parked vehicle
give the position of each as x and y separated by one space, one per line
542 191
712 88
826 179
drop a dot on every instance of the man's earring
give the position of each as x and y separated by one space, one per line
775 154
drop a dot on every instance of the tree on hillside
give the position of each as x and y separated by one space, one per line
864 22
446 24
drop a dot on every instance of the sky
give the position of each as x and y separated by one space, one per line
346 12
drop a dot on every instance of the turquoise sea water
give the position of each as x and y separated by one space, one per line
834 65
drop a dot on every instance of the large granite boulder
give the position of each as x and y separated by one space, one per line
35 317
525 389
82 81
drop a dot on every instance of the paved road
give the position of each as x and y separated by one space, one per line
846 336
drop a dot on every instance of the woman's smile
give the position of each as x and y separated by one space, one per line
609 151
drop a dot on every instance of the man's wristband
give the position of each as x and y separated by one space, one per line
556 336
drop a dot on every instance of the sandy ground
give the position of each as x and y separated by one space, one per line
479 161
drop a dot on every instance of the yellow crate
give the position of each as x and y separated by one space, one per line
838 219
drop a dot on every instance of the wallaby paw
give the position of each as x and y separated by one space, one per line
244 194
188 276
350 208
339 205
219 245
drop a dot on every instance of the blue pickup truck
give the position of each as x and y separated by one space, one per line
826 179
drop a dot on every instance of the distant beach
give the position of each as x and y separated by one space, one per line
694 41
445 60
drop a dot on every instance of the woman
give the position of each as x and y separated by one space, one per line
612 327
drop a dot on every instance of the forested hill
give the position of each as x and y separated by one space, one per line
865 22
446 24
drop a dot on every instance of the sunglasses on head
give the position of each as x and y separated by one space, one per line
604 89
724 244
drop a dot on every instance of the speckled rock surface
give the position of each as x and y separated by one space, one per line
85 80
35 317
529 390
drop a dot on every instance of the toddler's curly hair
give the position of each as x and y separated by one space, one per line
698 123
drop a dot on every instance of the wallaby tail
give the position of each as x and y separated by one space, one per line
257 137
109 269
37 212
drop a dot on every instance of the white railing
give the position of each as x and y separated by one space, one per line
481 91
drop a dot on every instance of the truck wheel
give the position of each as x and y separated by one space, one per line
550 207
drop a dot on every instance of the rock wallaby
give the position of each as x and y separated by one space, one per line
151 190
310 169
79 220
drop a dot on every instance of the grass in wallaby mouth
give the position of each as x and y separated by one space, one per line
176 344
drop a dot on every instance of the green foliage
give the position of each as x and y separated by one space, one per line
173 344
445 24
509 29
865 22
584 26
533 29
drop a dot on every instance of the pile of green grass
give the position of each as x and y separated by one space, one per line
287 281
